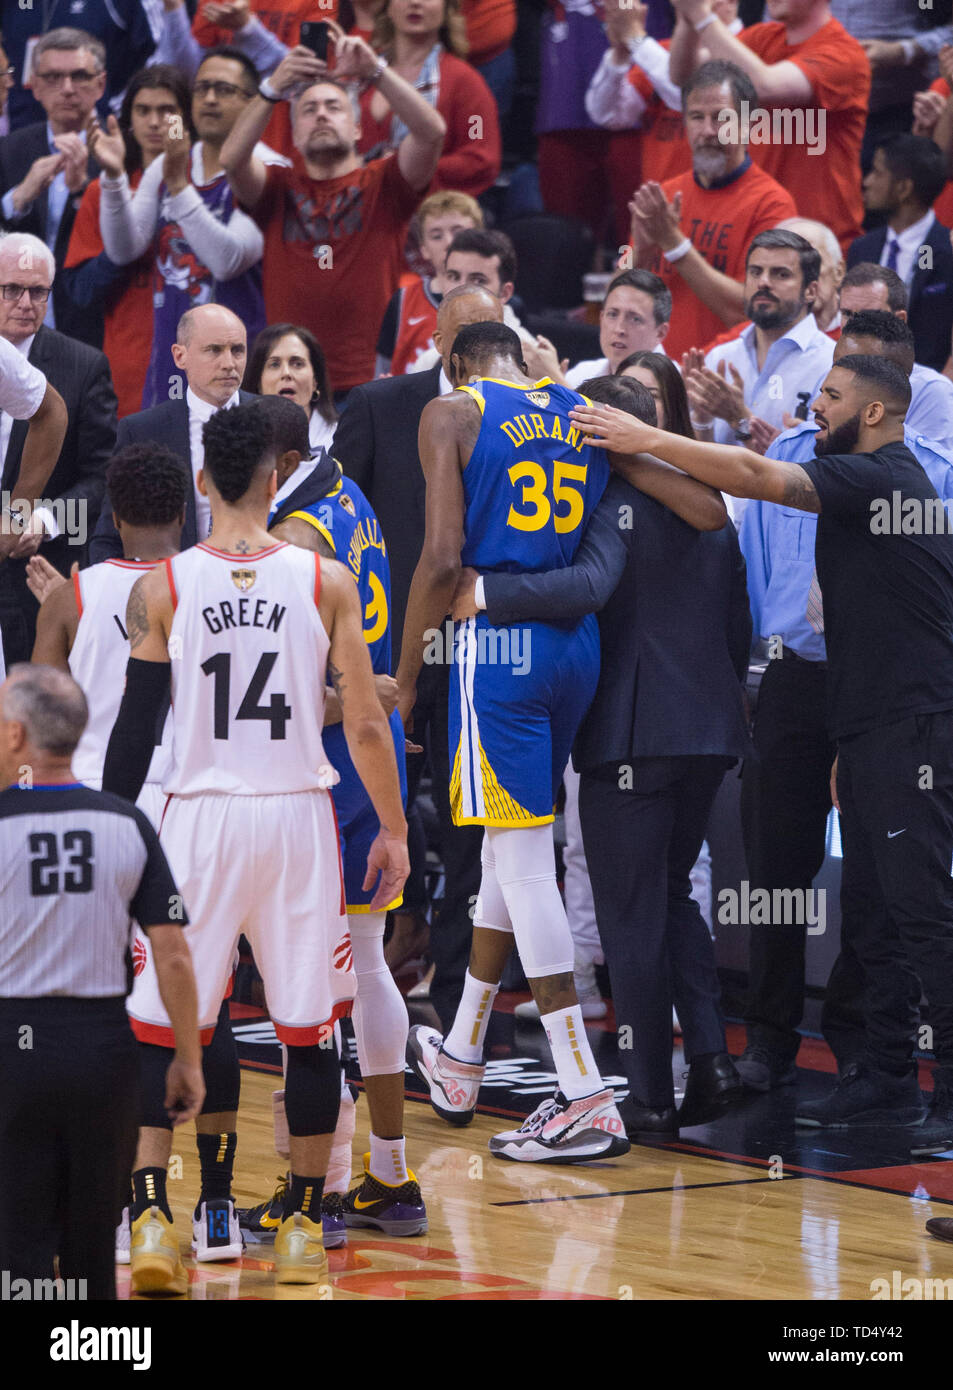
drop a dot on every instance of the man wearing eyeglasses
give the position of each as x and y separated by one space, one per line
73 492
45 167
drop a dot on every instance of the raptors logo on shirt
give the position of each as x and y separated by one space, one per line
342 953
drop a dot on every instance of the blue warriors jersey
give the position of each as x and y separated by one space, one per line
348 522
532 481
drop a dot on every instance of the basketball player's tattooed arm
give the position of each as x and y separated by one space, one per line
739 472
449 427
367 731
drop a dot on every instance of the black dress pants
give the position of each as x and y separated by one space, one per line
785 803
69 1104
642 833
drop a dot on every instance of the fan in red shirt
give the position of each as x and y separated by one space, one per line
928 107
694 230
813 87
334 228
408 326
153 95
422 39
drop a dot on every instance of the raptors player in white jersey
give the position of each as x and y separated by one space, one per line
81 625
246 631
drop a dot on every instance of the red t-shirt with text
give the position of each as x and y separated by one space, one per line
334 256
720 223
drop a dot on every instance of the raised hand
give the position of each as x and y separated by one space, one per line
623 23
927 110
231 16
42 578
543 360
175 165
716 395
300 68
353 57
107 146
762 434
40 175
75 169
659 219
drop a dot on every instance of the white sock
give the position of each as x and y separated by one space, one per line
465 1039
572 1056
387 1160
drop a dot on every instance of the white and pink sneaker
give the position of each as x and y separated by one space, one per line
564 1131
454 1086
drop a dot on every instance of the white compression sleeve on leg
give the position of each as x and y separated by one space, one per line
380 1014
490 910
526 873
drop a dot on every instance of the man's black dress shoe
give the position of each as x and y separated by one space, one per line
713 1085
644 1122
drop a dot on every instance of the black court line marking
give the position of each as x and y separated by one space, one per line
747 1161
644 1191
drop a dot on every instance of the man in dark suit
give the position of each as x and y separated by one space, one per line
45 168
76 484
376 445
666 722
211 351
907 176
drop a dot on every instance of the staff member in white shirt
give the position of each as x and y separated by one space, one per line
25 394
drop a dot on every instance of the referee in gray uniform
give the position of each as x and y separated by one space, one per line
76 865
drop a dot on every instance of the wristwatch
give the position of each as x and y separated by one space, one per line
266 90
743 430
379 71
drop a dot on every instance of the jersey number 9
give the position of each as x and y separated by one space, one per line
534 480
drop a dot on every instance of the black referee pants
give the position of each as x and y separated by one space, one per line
785 802
69 1080
895 786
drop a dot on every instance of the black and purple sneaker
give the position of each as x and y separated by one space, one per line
395 1210
333 1227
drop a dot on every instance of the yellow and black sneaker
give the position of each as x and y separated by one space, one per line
264 1220
397 1209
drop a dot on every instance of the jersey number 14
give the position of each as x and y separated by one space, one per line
277 712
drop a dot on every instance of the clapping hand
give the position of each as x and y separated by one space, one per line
106 146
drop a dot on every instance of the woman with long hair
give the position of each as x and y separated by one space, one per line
660 376
287 360
124 293
425 42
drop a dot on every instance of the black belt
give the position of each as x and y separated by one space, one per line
790 653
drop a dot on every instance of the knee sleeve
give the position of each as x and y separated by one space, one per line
490 911
525 868
312 1090
220 1068
380 1014
153 1065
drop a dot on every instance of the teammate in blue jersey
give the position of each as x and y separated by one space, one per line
510 485
320 510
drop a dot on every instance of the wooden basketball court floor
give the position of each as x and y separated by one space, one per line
746 1209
